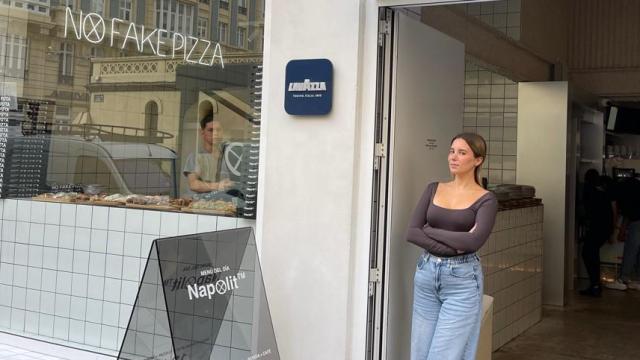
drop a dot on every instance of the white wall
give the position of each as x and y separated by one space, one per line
542 140
69 274
314 196
314 255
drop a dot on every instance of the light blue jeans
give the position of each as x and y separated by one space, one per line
447 308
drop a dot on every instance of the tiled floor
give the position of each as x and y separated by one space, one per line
19 348
595 329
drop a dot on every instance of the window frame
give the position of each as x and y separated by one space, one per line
203 24
221 25
10 44
175 17
65 65
241 37
125 13
93 6
243 7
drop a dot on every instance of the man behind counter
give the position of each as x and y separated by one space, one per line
206 170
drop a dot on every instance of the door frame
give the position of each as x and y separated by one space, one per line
377 303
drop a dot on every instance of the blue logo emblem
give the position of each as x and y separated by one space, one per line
309 87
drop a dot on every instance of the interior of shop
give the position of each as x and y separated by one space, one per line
122 125
549 85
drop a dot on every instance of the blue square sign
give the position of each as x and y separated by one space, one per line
309 87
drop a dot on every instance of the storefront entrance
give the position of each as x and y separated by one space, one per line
430 88
420 111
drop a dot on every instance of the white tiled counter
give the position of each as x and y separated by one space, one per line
69 274
512 265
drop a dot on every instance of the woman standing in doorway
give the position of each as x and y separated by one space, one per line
451 222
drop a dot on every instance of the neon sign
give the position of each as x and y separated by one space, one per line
93 28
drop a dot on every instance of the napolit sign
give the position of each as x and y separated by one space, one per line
93 28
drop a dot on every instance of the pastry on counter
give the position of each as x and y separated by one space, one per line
215 205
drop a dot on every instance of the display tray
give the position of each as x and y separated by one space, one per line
78 202
153 207
101 203
209 211
48 199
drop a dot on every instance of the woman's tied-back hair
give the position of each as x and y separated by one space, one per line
478 147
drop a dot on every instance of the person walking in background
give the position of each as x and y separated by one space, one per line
629 208
451 222
599 225
610 187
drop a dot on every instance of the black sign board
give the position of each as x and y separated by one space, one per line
24 146
201 297
309 87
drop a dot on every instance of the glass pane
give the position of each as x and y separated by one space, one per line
78 128
206 296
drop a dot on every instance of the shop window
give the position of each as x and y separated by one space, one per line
98 129
125 10
147 176
223 32
94 170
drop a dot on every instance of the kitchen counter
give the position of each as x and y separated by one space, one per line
512 265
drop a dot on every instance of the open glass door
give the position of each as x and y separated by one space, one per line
421 94
380 179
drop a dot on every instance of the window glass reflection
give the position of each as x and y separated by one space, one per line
111 111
